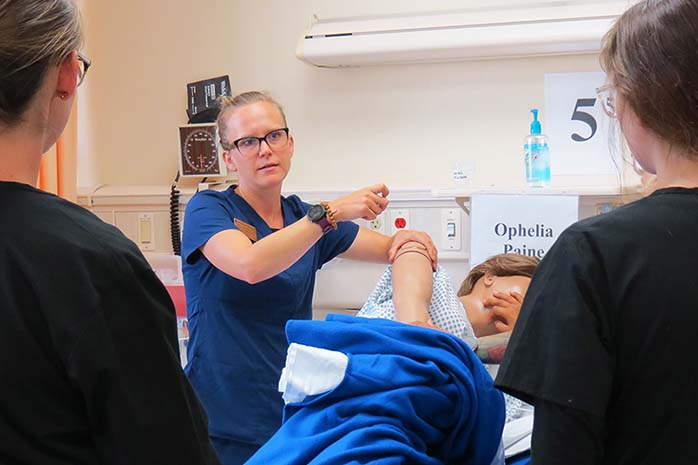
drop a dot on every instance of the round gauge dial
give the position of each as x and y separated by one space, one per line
199 151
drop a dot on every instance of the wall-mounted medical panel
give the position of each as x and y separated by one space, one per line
343 285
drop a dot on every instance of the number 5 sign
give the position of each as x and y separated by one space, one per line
577 126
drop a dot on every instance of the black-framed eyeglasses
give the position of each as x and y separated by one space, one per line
249 146
607 95
85 64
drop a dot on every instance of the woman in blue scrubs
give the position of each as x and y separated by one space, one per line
250 257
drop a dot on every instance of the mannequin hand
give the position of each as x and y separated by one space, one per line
505 309
427 324
366 203
402 237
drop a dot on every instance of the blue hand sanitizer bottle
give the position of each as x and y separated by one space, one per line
537 155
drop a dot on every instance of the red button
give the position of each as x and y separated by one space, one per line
400 223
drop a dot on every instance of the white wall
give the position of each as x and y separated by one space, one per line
403 125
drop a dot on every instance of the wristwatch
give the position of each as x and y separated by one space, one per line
318 215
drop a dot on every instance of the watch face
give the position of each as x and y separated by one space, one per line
316 213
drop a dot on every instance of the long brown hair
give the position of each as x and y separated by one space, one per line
505 264
651 58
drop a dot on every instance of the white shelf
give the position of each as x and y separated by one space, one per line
156 194
583 191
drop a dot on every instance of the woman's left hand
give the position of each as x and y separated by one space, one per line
402 237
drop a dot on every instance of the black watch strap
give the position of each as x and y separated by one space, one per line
318 215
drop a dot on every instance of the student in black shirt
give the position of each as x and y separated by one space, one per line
605 342
89 363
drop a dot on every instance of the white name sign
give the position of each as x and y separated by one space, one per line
577 127
524 224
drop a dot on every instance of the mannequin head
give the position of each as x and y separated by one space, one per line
503 273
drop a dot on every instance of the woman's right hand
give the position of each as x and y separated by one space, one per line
366 203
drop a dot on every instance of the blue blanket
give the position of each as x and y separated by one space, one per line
409 395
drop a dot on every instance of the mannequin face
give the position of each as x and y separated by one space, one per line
480 317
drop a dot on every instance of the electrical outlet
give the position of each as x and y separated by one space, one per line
400 219
377 224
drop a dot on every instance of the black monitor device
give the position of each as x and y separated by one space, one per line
202 95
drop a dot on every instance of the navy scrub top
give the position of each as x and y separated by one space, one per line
237 344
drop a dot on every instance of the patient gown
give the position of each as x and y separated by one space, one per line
404 394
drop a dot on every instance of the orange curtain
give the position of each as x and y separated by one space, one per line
58 173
